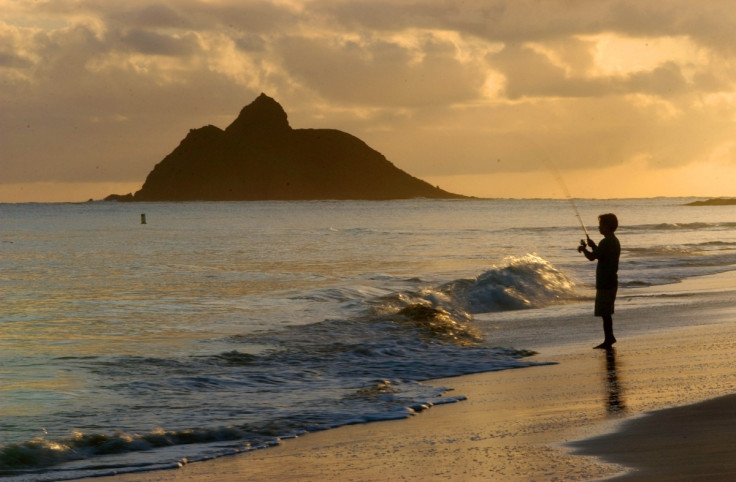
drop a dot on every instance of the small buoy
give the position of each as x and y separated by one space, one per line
143 218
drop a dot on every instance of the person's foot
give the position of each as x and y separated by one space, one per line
605 345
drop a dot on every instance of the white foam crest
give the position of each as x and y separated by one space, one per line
522 282
33 455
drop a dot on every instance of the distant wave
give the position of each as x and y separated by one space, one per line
681 226
664 264
592 227
711 252
652 251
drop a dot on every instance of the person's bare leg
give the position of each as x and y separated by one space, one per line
608 332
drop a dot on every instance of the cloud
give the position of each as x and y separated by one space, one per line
152 43
13 60
150 16
89 107
517 21
378 72
235 16
101 91
529 73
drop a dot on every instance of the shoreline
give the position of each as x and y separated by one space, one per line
528 423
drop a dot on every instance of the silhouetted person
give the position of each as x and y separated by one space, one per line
606 273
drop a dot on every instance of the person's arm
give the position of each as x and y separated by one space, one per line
591 255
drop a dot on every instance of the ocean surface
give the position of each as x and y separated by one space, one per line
219 328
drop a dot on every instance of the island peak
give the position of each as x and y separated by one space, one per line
263 114
260 157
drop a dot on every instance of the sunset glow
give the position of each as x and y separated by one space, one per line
626 99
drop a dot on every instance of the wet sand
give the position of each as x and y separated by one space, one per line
546 422
694 442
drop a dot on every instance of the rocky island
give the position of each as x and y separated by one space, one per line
260 157
714 202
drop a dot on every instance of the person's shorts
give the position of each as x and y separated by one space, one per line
604 301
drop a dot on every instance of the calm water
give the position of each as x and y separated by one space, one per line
222 327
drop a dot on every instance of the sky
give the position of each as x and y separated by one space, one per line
487 98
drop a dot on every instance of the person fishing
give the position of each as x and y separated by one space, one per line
607 252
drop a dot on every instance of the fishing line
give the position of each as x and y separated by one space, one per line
558 177
561 182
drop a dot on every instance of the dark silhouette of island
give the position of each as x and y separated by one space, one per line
260 157
721 201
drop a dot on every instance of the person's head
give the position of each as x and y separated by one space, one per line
607 223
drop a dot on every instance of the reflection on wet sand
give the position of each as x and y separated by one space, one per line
615 402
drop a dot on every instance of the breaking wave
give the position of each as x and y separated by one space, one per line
363 367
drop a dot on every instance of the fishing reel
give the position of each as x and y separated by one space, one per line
582 246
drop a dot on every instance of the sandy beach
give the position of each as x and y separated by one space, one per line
592 415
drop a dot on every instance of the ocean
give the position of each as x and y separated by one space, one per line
220 328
